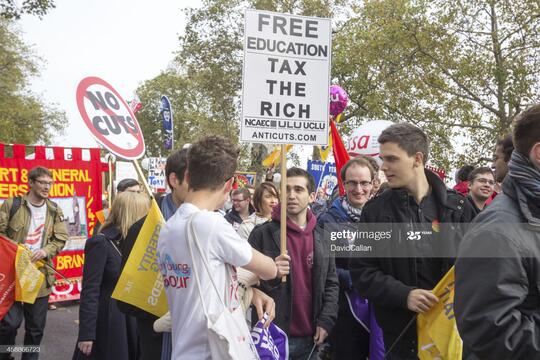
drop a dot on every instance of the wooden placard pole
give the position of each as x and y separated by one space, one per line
283 202
110 190
143 180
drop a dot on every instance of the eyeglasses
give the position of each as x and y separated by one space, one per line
485 181
354 184
238 201
44 183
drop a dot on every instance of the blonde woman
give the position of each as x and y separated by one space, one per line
104 332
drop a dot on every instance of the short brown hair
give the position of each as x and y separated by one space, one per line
479 170
242 191
357 161
259 191
408 137
297 172
211 162
507 146
527 129
176 163
38 172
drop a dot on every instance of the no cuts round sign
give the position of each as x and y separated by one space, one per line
109 118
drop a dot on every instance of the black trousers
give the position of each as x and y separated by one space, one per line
349 340
150 342
35 316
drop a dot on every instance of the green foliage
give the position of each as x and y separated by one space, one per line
24 117
459 69
10 10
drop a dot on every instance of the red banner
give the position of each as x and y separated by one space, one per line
76 190
8 253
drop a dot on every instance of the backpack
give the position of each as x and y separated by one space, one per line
14 207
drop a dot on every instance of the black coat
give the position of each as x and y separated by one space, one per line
497 298
386 282
265 238
113 333
234 217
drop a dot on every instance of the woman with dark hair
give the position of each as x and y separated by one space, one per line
104 332
266 196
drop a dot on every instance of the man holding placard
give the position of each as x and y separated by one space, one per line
307 304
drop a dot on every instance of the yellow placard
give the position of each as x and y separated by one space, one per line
438 337
28 278
140 283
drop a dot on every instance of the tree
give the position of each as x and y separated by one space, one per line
211 53
459 69
190 111
10 10
24 117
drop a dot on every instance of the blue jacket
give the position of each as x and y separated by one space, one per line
337 214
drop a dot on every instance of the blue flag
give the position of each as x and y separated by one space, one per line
166 114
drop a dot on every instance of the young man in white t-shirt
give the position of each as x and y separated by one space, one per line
211 167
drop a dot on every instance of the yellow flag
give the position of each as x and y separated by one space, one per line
140 283
28 278
438 337
325 150
274 158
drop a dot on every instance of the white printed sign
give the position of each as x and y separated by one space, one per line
286 77
156 173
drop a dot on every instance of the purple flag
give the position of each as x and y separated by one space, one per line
271 343
363 312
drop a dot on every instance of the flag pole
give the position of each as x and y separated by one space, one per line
283 215
109 160
322 175
141 176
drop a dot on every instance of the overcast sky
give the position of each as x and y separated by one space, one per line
125 42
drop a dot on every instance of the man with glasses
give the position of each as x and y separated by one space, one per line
38 223
481 187
242 208
349 338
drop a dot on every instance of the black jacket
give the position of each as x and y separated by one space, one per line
265 238
386 282
497 299
233 217
114 334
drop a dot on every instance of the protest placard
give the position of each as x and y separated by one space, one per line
286 75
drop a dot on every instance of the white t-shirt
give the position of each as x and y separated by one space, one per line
222 245
34 239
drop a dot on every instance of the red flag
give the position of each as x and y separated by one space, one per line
340 154
8 254
135 104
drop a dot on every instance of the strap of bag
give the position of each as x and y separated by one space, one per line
14 207
192 237
112 243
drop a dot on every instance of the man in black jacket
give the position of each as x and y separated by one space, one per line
307 304
497 299
242 208
400 287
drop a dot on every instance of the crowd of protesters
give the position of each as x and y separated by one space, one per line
236 262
